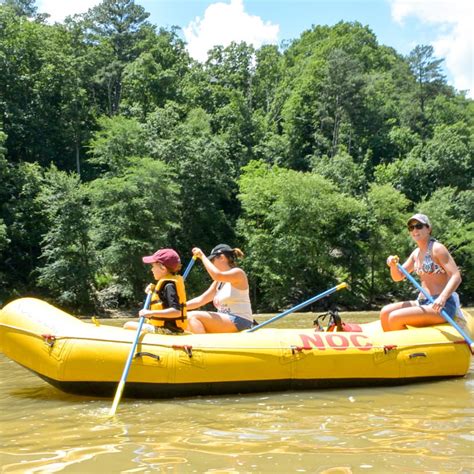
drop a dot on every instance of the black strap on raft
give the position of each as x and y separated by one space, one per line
334 321
147 354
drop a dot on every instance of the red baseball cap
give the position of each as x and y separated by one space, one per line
167 257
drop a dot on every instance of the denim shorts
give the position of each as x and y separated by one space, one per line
450 306
240 322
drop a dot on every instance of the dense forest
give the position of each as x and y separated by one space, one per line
309 156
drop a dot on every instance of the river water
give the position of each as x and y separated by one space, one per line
425 427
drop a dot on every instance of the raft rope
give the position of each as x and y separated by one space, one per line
51 339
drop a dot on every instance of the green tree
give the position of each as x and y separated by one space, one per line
80 111
384 235
133 214
403 140
119 27
205 170
324 85
342 171
22 7
340 91
231 67
118 140
428 73
297 229
451 110
68 261
208 193
269 71
235 125
44 105
4 241
430 81
156 75
25 225
445 160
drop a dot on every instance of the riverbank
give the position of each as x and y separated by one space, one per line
346 315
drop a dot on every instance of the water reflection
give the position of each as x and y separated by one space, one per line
412 428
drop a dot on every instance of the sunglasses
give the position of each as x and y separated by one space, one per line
415 226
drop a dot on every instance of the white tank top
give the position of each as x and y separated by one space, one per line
229 299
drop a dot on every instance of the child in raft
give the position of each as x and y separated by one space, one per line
167 313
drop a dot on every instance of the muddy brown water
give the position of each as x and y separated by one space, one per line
423 427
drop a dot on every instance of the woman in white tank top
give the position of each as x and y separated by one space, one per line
229 292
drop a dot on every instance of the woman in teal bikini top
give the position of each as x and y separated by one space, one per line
439 279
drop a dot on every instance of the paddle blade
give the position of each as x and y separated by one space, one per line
118 396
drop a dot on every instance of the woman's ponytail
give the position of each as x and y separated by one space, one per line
237 253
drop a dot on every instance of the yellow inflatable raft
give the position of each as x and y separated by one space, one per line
88 359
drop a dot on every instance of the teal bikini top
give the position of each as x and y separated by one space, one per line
428 265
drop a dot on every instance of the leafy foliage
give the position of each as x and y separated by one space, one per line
309 156
112 147
296 227
68 258
132 215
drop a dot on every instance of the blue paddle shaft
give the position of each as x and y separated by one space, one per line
443 311
299 306
188 268
135 342
123 379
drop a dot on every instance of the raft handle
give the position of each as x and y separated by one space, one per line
417 354
148 354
